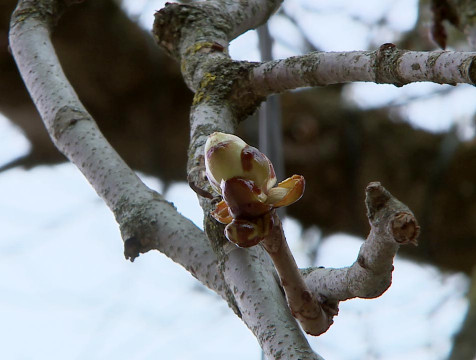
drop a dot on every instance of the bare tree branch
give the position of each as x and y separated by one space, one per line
391 224
207 68
388 65
305 306
147 221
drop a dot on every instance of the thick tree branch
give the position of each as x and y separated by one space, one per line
147 221
198 36
388 65
391 224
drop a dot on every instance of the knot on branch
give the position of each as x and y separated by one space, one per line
405 228
229 80
169 23
67 117
139 224
174 21
386 65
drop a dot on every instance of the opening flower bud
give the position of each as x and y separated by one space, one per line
227 156
245 178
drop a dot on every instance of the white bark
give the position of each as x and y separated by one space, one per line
388 65
391 224
147 221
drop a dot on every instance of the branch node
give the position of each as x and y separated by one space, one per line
65 118
405 228
362 263
385 65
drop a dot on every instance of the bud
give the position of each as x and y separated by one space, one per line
227 156
247 233
245 178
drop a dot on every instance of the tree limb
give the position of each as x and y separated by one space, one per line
388 65
305 306
147 221
208 70
391 224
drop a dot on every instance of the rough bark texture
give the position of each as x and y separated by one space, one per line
387 65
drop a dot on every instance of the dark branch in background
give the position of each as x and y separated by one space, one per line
339 150
464 346
459 14
270 127
308 45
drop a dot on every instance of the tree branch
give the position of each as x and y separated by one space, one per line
147 221
305 306
388 65
198 35
391 224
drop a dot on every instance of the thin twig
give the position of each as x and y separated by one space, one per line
303 304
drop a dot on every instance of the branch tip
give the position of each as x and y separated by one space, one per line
376 196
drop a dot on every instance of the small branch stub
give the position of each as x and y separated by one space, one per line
404 227
392 224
